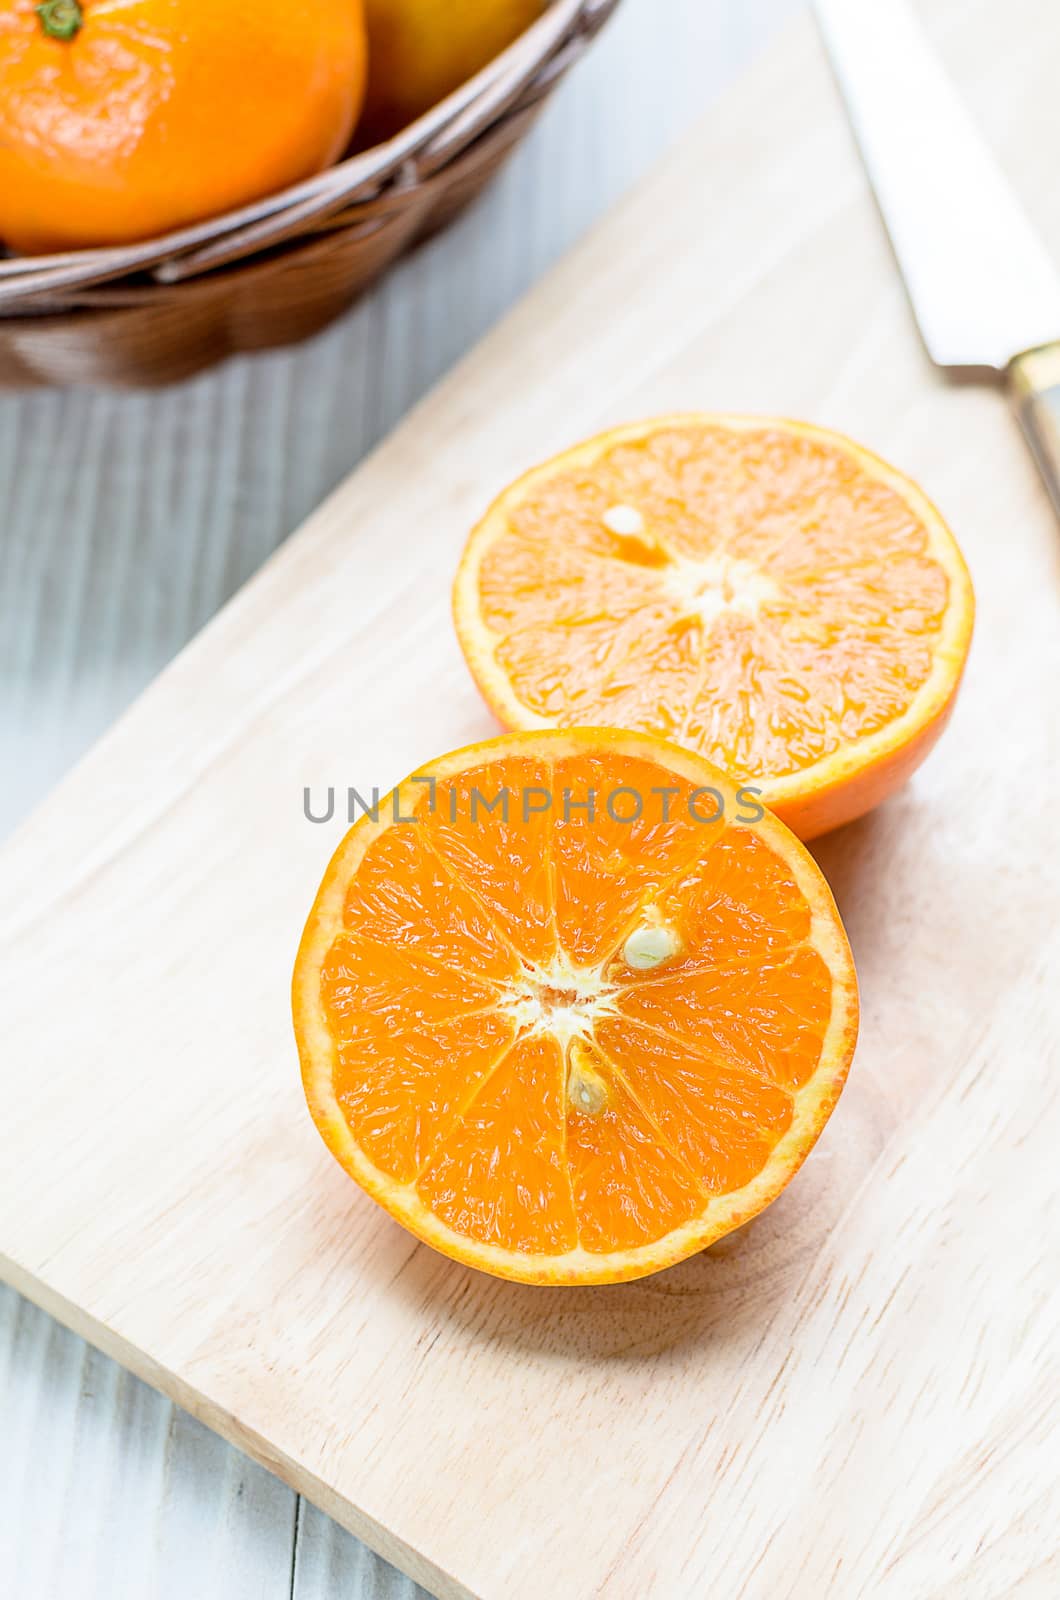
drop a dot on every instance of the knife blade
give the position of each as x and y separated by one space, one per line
984 290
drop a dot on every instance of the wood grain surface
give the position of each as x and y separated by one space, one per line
855 1394
128 520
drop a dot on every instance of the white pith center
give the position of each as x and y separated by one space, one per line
717 584
704 588
559 999
566 1002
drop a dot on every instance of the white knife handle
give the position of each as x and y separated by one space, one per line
1034 380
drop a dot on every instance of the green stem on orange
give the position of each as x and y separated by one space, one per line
60 19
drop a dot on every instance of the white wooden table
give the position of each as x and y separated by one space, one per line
127 521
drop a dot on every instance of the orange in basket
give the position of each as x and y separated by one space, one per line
120 121
765 592
575 1035
421 50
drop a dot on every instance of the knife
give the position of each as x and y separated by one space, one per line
983 289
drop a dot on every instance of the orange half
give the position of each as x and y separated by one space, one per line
574 1035
765 592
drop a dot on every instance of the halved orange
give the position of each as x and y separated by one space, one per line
763 591
569 1009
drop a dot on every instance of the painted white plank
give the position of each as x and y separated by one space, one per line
108 1489
330 1564
127 521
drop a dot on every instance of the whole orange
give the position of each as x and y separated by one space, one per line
421 50
122 119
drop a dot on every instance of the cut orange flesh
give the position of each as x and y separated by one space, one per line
765 592
568 1010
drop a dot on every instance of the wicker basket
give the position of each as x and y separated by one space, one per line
282 268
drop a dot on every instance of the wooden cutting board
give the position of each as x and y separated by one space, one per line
850 1397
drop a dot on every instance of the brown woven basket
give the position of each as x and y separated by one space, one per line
282 268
